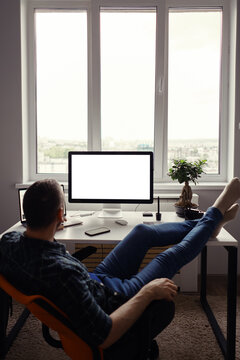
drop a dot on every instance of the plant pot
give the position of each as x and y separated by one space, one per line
180 210
192 214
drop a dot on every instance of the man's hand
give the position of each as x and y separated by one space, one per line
160 289
127 314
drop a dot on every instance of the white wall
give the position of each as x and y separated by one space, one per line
237 96
11 129
10 110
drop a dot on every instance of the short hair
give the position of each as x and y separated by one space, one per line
41 202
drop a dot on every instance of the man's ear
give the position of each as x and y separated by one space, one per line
60 215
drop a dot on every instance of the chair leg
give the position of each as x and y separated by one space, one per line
4 313
153 351
6 340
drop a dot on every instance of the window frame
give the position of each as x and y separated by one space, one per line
224 81
92 7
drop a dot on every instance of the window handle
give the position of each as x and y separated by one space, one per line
160 85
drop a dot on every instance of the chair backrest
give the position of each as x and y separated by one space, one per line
49 314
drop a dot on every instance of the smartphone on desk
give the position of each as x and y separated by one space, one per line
97 231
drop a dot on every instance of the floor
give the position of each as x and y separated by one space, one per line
217 285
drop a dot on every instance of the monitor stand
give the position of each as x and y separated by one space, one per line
111 211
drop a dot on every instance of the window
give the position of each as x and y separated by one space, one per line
128 40
61 87
194 66
134 76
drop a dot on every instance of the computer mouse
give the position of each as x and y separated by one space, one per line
121 222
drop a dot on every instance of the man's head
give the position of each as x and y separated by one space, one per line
42 203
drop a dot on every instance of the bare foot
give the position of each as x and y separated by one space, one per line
229 196
228 216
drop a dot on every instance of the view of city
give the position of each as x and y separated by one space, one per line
53 154
129 84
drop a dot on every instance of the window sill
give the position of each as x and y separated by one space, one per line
158 187
170 187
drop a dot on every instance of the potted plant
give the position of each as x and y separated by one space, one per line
186 171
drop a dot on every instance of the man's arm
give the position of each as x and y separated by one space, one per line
127 314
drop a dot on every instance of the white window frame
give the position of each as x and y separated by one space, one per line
94 104
224 83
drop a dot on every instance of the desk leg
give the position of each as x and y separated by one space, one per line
227 346
203 284
232 301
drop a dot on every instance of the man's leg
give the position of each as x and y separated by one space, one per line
125 259
135 343
169 262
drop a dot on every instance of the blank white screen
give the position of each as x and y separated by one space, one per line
111 177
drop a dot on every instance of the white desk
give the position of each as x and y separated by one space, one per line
76 234
189 274
187 280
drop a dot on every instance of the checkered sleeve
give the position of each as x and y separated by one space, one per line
87 316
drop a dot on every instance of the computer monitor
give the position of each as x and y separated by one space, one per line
111 178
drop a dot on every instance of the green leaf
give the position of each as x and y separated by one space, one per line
185 171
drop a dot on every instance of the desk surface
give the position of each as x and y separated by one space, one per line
76 234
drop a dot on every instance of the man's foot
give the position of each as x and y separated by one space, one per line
229 196
228 216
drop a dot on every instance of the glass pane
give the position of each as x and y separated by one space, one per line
194 86
61 87
127 79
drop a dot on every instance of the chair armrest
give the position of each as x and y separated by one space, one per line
85 252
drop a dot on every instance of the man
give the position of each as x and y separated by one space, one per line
116 307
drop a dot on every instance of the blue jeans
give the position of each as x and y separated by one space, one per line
119 270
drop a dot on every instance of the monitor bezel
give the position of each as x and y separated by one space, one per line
110 201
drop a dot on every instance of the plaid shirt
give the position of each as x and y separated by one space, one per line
37 266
